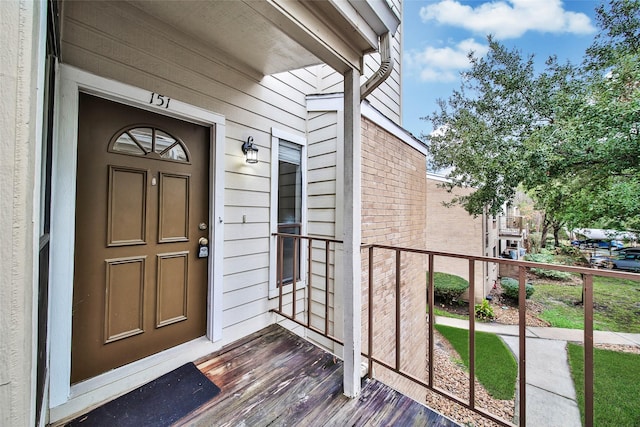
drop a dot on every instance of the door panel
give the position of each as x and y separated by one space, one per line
142 190
127 210
173 288
124 290
174 208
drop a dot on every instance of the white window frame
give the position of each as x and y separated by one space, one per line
278 135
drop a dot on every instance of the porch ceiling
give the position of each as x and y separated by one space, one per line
268 36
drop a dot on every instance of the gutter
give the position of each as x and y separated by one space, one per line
386 67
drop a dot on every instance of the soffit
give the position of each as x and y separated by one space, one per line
267 36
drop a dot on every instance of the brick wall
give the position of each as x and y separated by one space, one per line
394 213
452 229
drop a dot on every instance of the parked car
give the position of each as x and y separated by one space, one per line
626 250
629 261
594 243
600 261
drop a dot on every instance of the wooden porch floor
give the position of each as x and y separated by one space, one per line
274 377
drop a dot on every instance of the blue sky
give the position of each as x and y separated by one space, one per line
439 33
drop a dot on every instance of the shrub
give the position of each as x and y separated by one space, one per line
551 274
568 250
511 286
448 287
484 311
570 255
534 241
548 258
543 256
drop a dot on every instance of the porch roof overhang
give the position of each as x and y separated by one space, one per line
273 36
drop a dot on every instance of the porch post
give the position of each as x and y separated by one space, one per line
24 33
352 234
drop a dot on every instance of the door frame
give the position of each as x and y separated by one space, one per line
72 81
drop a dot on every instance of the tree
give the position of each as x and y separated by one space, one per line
620 36
600 141
488 131
551 198
613 206
568 135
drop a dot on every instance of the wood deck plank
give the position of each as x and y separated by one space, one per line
277 378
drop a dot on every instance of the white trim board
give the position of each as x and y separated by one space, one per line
276 136
335 102
71 82
436 177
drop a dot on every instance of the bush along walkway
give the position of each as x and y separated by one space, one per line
551 395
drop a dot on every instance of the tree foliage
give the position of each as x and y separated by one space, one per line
567 134
620 37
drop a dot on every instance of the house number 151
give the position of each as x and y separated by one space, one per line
159 100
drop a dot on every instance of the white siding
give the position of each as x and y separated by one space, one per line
304 80
323 181
387 97
322 165
118 41
329 80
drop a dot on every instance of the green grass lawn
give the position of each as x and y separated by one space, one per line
444 313
496 368
616 305
616 386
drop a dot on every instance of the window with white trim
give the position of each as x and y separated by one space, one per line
290 207
288 215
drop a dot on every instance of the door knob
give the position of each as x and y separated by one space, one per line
203 249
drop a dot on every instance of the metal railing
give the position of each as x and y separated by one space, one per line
326 246
511 225
587 275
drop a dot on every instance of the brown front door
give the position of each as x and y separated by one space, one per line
141 207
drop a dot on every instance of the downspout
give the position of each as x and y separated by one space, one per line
386 67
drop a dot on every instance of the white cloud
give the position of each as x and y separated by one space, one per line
509 19
435 75
443 64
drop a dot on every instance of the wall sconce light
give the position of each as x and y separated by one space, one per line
250 151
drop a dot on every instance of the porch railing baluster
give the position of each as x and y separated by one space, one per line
398 308
432 317
326 290
294 279
588 349
370 316
522 342
310 280
396 366
472 334
280 271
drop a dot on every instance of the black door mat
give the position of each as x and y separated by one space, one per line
160 402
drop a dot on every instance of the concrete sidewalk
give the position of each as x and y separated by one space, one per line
562 334
551 396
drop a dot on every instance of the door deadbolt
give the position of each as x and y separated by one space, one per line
202 226
203 247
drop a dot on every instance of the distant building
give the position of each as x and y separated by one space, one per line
452 229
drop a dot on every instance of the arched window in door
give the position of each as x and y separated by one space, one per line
150 142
